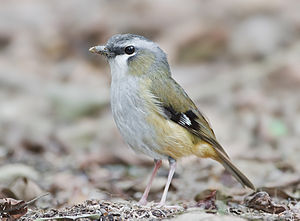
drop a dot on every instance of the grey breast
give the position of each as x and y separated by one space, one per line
130 115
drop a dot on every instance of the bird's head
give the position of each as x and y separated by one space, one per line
130 54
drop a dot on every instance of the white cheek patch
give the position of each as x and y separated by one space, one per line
119 65
120 60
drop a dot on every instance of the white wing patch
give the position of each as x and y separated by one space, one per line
185 120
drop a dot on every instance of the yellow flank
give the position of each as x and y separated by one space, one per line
174 140
204 150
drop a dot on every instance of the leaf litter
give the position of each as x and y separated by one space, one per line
57 133
12 209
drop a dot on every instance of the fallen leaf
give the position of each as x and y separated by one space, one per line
219 196
10 172
262 201
209 201
33 146
277 192
26 189
7 193
12 208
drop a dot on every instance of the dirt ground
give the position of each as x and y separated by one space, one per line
238 60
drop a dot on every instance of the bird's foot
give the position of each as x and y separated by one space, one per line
142 202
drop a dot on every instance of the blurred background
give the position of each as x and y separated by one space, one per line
238 60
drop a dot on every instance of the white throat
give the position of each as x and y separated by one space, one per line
119 67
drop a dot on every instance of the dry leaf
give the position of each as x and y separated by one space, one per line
26 189
12 208
33 146
7 193
209 200
277 192
262 201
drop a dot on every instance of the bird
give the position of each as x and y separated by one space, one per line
153 113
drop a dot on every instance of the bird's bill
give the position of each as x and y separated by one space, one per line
99 50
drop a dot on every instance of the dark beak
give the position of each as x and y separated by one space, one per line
100 50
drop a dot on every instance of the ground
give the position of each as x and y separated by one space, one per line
239 62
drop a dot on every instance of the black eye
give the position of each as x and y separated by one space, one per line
129 49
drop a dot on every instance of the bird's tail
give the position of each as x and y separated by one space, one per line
216 152
225 161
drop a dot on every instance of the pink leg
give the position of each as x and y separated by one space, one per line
143 200
172 163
